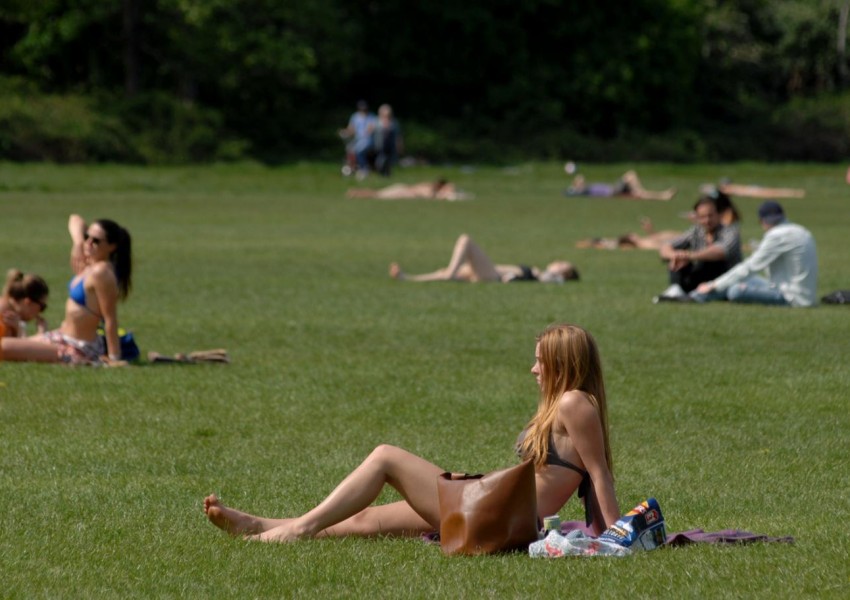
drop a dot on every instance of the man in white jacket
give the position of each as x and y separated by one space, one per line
788 255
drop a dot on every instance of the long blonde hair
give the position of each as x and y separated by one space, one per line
570 361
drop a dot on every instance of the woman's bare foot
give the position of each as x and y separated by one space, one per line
280 534
231 520
396 272
668 194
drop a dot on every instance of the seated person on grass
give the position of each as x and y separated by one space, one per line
703 252
789 256
24 299
566 438
101 259
470 263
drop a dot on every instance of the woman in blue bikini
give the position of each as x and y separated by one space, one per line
567 438
102 263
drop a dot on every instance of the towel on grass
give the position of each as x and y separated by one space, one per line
697 536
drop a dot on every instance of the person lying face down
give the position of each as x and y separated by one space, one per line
470 263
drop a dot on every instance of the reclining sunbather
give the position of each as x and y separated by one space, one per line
629 186
470 263
427 190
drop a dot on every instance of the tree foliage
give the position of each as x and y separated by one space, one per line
276 78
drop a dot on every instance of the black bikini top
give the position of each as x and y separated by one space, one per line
585 488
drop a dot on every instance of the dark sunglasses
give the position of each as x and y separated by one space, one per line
94 241
41 305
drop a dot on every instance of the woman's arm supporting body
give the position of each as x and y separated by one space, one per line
582 422
103 282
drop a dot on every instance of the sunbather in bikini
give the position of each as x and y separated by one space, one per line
470 263
425 190
629 186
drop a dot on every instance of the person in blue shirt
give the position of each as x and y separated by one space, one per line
360 140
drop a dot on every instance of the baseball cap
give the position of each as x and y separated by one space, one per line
771 212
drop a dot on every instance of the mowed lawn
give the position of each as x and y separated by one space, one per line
732 416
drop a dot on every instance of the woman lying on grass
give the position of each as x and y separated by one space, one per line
425 190
101 260
470 263
567 438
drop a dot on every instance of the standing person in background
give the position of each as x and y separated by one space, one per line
388 141
24 299
102 262
359 133
788 254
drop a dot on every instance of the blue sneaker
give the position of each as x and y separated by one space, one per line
642 528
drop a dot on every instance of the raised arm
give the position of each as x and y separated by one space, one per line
77 229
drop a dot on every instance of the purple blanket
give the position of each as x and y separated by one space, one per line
693 536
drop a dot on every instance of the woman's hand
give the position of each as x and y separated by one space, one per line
11 319
109 362
40 325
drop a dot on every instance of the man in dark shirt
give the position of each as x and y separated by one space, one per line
702 253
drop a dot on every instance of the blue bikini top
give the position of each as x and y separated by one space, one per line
77 292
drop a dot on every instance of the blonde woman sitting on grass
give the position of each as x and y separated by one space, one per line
566 438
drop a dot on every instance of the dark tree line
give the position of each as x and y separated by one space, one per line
200 79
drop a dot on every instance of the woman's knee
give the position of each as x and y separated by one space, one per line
385 454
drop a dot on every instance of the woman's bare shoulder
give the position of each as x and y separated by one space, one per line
102 273
574 402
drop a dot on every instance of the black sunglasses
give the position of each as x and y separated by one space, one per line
41 305
95 241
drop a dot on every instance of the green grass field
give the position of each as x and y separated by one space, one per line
732 416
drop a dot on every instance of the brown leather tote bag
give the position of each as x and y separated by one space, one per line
484 514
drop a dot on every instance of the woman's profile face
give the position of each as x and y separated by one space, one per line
537 369
95 246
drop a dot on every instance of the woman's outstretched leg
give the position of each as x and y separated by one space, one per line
27 349
468 263
414 478
395 518
236 522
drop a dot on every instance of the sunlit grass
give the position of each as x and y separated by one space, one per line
732 416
